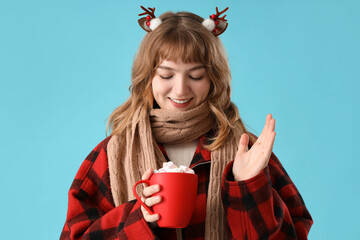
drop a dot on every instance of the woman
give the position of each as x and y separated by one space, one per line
180 110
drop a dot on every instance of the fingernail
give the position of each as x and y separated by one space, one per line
156 187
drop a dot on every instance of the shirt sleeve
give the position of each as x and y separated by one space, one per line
91 212
267 206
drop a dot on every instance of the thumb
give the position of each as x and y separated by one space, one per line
243 143
147 174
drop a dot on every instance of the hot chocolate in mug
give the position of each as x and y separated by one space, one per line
178 192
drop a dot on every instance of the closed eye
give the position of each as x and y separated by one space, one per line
196 78
193 78
165 77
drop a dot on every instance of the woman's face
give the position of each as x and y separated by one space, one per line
180 86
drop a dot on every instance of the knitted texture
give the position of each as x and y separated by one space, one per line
177 127
132 152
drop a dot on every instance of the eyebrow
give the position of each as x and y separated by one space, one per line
172 69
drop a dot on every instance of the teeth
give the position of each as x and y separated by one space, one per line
179 101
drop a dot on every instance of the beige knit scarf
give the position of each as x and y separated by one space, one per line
133 151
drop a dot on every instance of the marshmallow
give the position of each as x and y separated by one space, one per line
171 167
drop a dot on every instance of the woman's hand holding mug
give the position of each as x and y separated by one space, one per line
148 200
171 194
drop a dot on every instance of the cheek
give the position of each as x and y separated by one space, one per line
158 88
203 90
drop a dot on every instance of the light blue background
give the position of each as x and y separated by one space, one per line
65 65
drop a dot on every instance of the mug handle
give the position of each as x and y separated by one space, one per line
138 198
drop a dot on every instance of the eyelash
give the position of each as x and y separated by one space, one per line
196 79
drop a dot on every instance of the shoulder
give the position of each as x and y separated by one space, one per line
102 145
96 159
100 149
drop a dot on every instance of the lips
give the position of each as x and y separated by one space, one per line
180 103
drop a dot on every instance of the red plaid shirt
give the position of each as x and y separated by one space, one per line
268 206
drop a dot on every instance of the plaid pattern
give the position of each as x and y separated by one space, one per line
265 207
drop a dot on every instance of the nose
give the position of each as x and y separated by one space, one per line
181 86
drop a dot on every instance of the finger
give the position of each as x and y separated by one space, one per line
151 201
148 217
264 131
270 145
243 143
148 191
272 125
269 118
152 218
271 129
270 138
147 174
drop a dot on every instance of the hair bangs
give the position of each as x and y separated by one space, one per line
181 45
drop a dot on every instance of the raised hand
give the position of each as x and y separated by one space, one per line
249 163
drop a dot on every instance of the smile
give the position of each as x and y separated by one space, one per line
180 101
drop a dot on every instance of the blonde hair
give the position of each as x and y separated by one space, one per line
182 36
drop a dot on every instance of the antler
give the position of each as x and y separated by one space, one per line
148 12
219 13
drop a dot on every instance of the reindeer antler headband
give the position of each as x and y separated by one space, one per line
215 24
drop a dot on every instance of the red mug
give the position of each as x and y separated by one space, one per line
178 192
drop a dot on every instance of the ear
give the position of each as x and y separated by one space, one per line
143 25
216 24
220 28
